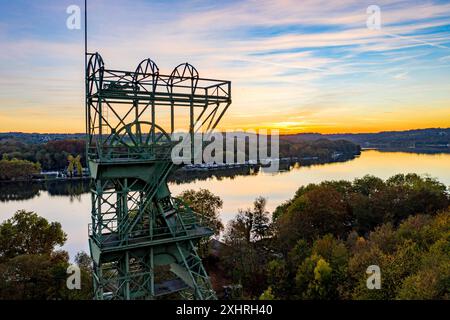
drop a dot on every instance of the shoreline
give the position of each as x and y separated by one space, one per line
195 168
212 168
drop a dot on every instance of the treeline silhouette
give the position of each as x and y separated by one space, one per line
51 155
322 148
432 138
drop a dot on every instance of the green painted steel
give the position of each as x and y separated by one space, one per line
142 240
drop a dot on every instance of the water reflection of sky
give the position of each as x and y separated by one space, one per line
74 214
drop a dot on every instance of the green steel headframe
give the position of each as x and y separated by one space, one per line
142 240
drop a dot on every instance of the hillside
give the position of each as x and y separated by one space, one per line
433 138
429 137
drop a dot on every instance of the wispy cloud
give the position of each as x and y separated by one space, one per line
284 57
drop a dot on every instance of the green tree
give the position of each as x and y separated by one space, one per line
34 276
28 233
432 279
316 212
16 169
207 205
322 279
30 268
84 262
245 259
251 223
260 219
278 278
267 295
314 279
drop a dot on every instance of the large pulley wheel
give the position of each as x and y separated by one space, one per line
140 139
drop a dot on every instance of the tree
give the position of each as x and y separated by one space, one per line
335 253
236 233
327 235
260 218
432 280
34 276
316 212
245 264
368 185
413 259
322 279
278 278
83 260
297 255
267 294
251 224
18 169
207 205
245 259
28 233
314 279
339 207
30 268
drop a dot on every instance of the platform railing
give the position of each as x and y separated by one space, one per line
188 222
122 85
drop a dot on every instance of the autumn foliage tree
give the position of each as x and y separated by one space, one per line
16 169
208 205
339 207
244 255
28 233
329 233
30 267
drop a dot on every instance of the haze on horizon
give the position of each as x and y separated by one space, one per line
296 66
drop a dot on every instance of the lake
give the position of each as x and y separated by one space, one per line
240 191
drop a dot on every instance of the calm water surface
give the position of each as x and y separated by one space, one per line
239 192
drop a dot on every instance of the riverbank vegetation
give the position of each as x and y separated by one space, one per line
16 169
69 155
50 155
323 149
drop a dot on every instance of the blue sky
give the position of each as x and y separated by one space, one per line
299 66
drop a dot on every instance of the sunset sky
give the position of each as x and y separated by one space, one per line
295 65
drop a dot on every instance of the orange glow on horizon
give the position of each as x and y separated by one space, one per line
284 123
282 131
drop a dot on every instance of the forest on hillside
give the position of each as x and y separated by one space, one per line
432 139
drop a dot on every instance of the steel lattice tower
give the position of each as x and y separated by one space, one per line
142 240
